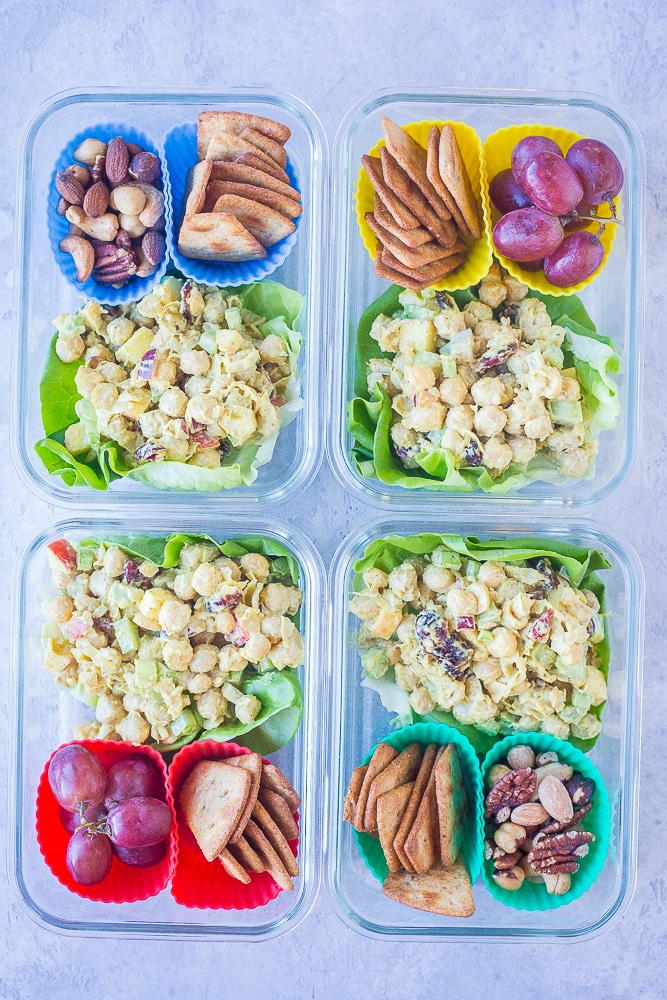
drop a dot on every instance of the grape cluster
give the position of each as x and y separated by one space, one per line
548 200
119 812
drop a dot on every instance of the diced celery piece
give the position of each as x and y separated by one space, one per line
429 358
119 595
127 635
184 723
543 654
571 714
491 727
553 355
472 567
566 411
442 556
145 671
85 558
207 341
375 662
581 699
575 673
448 366
484 635
233 319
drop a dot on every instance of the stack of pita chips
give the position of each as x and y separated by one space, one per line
416 803
240 812
425 211
239 199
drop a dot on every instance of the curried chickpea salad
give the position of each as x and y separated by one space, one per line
195 642
187 388
504 641
482 389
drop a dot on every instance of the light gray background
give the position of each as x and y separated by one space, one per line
330 55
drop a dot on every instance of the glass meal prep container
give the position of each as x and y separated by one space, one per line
358 720
43 718
614 299
42 292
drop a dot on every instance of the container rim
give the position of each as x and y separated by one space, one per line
54 492
315 693
610 540
383 497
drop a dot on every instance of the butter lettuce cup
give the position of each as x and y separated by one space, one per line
59 227
124 883
198 883
480 255
497 156
533 895
425 733
181 154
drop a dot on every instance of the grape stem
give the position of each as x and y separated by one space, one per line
574 216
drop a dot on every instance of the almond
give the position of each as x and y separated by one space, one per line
69 188
96 200
529 814
153 246
555 798
117 161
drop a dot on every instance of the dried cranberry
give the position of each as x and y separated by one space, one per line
104 624
473 453
149 452
215 604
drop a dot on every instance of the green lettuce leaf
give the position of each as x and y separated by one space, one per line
369 420
580 564
278 720
61 406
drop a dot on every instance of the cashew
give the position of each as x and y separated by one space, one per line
88 150
104 228
128 199
557 885
82 253
62 206
132 225
154 205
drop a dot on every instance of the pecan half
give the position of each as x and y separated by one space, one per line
512 790
553 826
507 860
559 852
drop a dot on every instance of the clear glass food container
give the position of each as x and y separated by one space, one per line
42 718
42 292
358 721
614 299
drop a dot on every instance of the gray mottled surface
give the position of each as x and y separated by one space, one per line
330 55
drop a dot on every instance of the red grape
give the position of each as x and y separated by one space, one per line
527 148
141 857
89 856
506 194
76 775
93 814
527 234
533 265
551 183
578 256
139 822
131 777
598 168
576 223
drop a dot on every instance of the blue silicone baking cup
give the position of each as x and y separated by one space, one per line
181 153
58 225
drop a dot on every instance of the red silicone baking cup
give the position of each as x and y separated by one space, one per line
123 884
198 883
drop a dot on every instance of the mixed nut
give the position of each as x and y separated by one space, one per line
535 807
113 200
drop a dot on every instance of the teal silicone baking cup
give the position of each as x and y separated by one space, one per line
533 895
425 733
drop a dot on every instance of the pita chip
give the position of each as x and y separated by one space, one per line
244 174
443 230
217 236
455 177
252 160
272 862
352 794
277 840
211 122
413 158
288 207
453 804
383 756
402 769
421 782
446 891
391 808
195 187
404 217
410 256
274 779
397 277
430 273
433 171
247 856
267 145
280 813
212 800
411 237
252 763
232 866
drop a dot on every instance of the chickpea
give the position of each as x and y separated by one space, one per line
211 704
109 709
87 379
256 565
114 562
273 349
182 586
207 579
538 427
199 683
376 579
503 643
488 392
422 701
231 659
437 578
460 418
177 654
247 708
496 454
491 574
60 609
418 376
195 362
490 420
70 348
120 330
104 396
173 616
257 647
229 341
461 602
453 390
133 728
173 402
205 409
205 659
523 449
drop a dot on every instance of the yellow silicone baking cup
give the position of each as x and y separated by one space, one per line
497 156
480 255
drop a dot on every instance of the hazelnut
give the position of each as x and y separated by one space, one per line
521 756
497 772
509 836
548 757
510 878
